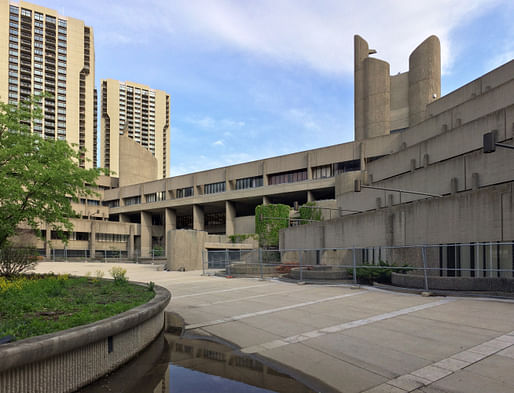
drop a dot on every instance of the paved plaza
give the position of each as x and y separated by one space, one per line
352 339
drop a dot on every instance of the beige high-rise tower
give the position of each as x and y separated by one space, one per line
42 51
143 113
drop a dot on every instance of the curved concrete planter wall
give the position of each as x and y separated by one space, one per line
67 360
489 284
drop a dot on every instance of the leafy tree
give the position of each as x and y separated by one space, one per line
39 177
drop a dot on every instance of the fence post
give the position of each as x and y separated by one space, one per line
227 263
301 268
260 263
354 264
424 256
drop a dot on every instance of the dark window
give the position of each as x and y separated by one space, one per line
288 177
249 182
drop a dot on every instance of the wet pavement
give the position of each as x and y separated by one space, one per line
352 340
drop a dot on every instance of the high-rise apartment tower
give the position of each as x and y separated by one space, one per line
42 51
143 113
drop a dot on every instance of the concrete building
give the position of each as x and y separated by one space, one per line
406 137
143 114
41 50
440 152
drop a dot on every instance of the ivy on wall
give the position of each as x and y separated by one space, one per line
269 220
307 213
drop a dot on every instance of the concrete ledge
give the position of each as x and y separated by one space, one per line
320 272
489 284
66 360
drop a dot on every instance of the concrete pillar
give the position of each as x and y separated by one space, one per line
362 155
198 218
92 240
265 200
48 237
424 78
361 52
230 216
264 174
170 223
124 218
146 234
310 196
130 245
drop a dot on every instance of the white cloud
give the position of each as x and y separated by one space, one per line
317 34
218 143
208 123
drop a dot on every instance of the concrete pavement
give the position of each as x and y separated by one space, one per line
355 340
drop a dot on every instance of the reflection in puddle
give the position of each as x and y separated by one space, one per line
173 364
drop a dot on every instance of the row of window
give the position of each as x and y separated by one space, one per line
111 237
155 197
213 188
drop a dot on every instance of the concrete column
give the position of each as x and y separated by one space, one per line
230 216
264 174
310 196
170 223
92 240
48 237
361 52
198 218
124 218
265 200
130 244
308 164
146 234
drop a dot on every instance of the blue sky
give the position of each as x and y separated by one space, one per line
252 79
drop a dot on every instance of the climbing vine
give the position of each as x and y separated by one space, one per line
269 219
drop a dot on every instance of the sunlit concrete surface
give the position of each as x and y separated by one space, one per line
355 340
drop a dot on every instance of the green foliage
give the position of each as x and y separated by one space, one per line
31 305
119 274
39 176
14 261
369 273
151 286
241 237
158 251
269 220
308 213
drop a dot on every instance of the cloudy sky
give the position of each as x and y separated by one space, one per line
250 79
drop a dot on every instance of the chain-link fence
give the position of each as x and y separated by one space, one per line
457 266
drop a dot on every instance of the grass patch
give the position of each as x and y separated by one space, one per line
39 304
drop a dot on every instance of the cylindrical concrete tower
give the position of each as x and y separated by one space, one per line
377 98
424 78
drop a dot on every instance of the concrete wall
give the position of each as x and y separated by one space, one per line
136 164
67 360
483 215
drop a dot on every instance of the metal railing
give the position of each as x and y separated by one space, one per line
467 266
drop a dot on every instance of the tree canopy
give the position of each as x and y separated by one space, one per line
38 177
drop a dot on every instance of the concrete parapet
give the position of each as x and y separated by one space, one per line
67 360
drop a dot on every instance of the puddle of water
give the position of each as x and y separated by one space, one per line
173 364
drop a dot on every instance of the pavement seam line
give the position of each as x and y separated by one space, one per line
445 367
246 298
338 328
270 311
220 291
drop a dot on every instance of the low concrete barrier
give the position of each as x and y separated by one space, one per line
489 284
320 272
67 360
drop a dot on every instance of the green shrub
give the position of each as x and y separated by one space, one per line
368 273
119 274
16 260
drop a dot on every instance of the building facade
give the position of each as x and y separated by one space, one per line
42 51
140 112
